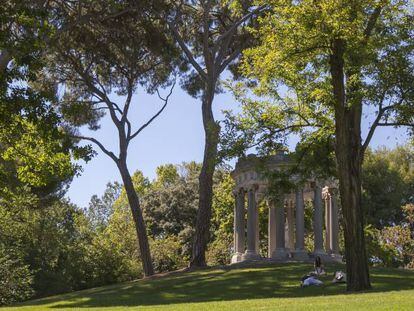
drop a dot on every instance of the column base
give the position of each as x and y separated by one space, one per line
325 257
336 257
300 254
280 254
320 252
250 255
237 257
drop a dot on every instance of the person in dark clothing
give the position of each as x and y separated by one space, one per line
319 268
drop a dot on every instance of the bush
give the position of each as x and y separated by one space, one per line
166 254
220 250
391 246
15 279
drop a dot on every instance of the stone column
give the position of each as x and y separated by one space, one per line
300 252
334 238
239 226
280 251
318 220
327 199
291 222
257 230
252 214
271 230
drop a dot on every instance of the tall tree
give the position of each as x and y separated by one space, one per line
341 58
111 52
34 152
211 35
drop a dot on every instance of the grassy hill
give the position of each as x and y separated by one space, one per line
268 287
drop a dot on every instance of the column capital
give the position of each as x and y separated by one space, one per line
238 190
325 193
316 183
328 192
252 187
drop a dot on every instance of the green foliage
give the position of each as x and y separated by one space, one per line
223 203
289 88
388 183
34 150
166 175
101 209
93 61
15 278
167 254
38 161
169 204
170 209
214 38
391 246
220 249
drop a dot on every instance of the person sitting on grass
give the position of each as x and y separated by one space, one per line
319 268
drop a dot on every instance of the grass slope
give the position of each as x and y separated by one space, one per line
269 287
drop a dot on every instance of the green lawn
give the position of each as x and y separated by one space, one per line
271 287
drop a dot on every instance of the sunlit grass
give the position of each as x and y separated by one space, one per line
272 287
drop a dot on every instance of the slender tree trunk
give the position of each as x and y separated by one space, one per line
349 156
134 204
212 131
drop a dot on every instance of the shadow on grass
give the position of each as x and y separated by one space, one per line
281 281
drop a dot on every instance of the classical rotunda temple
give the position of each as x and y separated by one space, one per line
286 228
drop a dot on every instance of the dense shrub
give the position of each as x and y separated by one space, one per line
220 250
166 254
15 278
391 246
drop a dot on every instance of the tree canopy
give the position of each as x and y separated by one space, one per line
321 66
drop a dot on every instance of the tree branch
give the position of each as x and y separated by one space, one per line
372 130
396 124
165 100
371 22
230 58
239 22
206 24
99 144
187 52
127 104
89 81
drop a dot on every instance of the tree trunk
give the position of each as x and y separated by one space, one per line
349 171
202 230
349 156
134 204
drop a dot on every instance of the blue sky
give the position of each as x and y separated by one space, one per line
176 136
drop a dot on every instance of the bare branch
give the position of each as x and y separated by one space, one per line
99 144
223 48
165 100
127 104
372 130
129 128
376 123
230 58
89 81
407 124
